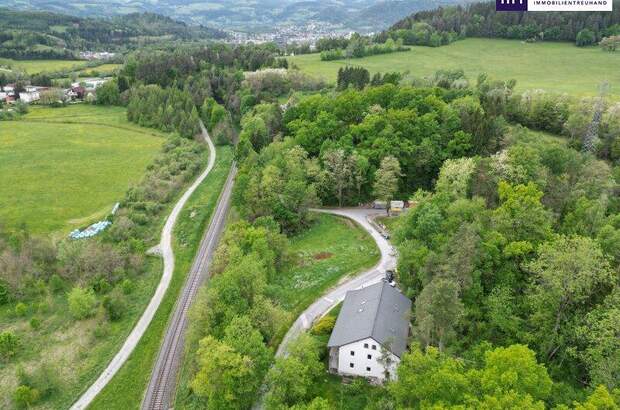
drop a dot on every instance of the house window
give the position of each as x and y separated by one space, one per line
351 365
374 347
368 369
352 353
365 345
369 356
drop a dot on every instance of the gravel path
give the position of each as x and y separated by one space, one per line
336 295
165 247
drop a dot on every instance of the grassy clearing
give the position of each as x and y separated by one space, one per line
331 249
125 391
558 67
101 69
66 167
38 66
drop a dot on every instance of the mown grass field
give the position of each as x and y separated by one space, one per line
126 389
557 67
37 66
63 168
101 69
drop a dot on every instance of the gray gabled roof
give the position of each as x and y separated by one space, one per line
378 311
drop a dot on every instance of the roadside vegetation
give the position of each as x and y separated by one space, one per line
61 169
126 390
510 251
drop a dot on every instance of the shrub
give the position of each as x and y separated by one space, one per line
44 379
56 283
114 305
8 344
35 323
102 286
25 396
127 286
5 293
82 302
21 309
324 326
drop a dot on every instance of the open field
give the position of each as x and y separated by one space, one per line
66 167
101 69
558 67
37 66
75 352
126 389
332 248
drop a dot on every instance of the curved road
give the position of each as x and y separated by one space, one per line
323 305
165 246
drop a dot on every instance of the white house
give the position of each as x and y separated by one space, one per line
371 333
29 97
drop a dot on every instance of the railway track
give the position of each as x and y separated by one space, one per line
165 247
164 375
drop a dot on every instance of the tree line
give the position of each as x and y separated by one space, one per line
481 20
359 47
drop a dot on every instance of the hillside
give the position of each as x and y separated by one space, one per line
45 35
261 15
557 67
481 20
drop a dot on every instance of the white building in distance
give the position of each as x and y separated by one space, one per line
371 333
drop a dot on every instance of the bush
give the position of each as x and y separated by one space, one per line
25 396
56 283
101 286
9 343
324 326
35 323
21 309
114 306
585 37
127 286
44 379
5 293
82 302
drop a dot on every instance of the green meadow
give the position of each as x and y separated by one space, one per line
557 67
63 168
37 66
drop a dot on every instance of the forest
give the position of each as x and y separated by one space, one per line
446 24
510 251
45 35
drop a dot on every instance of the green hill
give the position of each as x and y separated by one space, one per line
45 35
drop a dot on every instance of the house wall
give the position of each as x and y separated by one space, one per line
361 361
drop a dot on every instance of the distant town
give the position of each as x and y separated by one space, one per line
291 34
